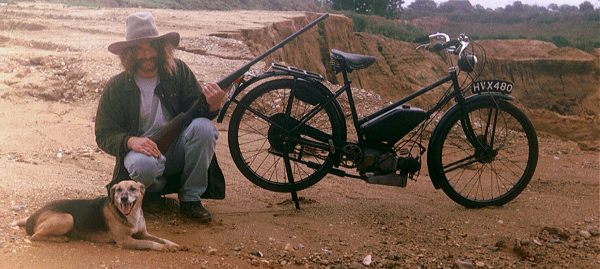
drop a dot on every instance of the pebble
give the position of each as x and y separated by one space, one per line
585 234
367 260
19 207
593 230
59 154
393 257
288 247
256 253
466 264
211 251
537 242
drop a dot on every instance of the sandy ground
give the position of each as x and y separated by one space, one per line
52 64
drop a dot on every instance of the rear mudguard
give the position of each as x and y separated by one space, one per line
240 88
320 91
494 97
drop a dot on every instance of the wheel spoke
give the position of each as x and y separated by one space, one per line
464 162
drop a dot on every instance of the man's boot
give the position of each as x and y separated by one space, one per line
153 203
195 210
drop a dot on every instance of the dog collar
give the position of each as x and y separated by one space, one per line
120 216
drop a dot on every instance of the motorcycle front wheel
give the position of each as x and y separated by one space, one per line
499 168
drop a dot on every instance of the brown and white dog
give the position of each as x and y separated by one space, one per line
117 218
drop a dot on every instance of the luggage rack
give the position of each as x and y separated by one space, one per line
297 71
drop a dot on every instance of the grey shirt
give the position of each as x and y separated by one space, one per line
152 114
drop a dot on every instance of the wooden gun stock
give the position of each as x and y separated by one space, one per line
165 136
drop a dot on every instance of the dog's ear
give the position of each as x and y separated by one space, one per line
111 193
142 188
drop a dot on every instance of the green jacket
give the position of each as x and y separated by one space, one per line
117 117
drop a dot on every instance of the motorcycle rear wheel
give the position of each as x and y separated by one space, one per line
269 144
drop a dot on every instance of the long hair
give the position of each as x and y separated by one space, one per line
166 59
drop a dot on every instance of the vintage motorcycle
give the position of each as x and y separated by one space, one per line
288 130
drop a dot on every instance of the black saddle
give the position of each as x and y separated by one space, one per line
350 61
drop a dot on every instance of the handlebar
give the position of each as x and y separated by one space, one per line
440 41
466 60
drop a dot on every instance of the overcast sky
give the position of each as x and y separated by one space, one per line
503 3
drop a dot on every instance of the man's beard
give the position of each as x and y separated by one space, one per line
147 65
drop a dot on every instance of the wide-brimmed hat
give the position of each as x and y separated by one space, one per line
140 27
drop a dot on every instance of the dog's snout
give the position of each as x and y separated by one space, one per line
124 199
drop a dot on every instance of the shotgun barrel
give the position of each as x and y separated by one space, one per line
229 79
166 135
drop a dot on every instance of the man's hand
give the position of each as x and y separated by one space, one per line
143 145
214 96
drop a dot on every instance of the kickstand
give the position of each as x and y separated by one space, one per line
295 199
290 177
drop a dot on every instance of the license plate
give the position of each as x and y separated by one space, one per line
505 87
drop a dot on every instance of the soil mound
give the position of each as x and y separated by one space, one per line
561 81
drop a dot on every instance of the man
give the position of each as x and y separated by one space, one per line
153 88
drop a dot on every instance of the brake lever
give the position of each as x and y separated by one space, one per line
439 36
422 46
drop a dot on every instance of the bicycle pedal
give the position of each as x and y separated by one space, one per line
389 180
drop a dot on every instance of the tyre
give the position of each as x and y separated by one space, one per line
495 172
269 144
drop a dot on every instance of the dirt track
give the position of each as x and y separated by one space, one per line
50 79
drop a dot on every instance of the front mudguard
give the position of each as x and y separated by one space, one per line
484 97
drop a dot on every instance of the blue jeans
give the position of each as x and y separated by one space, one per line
189 155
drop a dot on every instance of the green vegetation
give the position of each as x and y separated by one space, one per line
563 25
560 41
386 27
561 29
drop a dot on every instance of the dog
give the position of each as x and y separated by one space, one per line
117 218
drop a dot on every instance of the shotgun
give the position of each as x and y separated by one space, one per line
166 135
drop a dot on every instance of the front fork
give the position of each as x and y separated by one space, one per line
484 151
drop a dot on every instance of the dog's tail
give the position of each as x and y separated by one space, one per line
19 223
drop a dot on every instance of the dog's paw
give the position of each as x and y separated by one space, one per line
170 246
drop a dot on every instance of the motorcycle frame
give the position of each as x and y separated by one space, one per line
346 88
455 94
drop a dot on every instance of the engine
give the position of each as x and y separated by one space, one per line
379 159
